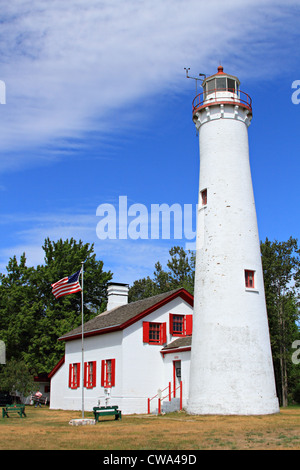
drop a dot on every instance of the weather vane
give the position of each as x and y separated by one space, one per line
195 78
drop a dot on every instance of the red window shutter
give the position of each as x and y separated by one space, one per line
77 384
86 374
90 374
102 373
94 374
146 332
113 372
171 323
188 324
249 278
74 379
70 375
163 333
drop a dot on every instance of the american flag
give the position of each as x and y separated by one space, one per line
67 285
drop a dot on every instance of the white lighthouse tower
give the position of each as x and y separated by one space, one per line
231 363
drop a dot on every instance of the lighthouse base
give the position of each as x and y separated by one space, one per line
246 407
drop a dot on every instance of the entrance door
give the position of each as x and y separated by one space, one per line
176 377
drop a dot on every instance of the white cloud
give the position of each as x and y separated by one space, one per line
87 66
69 67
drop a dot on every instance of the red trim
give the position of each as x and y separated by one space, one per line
104 373
74 380
163 333
86 379
184 294
242 99
171 321
94 373
219 72
70 375
214 103
87 382
55 368
78 374
159 328
181 395
249 279
113 372
188 325
174 379
175 350
145 332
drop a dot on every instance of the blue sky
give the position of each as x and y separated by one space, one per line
98 106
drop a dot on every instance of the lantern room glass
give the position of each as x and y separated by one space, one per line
220 83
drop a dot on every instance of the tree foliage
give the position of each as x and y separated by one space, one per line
180 273
281 268
17 378
31 319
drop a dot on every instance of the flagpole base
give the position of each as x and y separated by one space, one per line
81 422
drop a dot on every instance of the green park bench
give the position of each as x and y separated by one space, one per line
106 411
10 409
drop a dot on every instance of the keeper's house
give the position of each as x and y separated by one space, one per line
130 352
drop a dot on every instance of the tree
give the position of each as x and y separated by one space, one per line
182 268
281 274
142 289
20 307
180 273
31 318
16 378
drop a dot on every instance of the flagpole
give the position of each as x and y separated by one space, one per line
82 342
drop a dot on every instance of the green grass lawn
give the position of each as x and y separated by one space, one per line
45 429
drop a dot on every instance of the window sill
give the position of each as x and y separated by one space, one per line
251 289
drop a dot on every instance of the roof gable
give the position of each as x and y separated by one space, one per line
125 315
